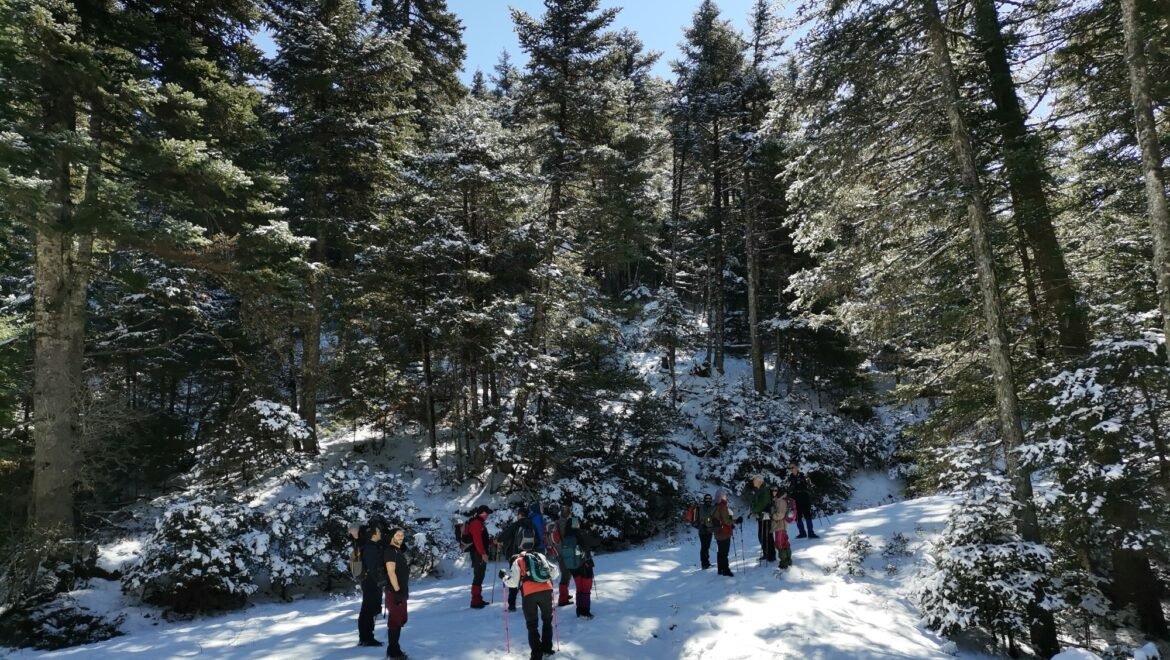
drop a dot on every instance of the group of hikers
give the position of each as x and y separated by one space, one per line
543 547
773 507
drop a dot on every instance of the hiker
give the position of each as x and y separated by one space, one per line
397 591
552 544
759 500
704 521
577 545
477 530
533 574
514 536
538 524
799 491
724 528
780 517
373 580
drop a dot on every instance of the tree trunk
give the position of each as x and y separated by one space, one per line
1147 137
429 394
720 255
753 293
60 280
311 360
1042 625
1023 163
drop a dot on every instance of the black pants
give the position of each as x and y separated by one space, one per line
723 548
705 548
767 541
539 640
371 605
478 568
512 598
804 517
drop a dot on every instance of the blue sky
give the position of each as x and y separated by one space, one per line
660 23
488 27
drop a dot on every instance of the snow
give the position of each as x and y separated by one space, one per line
650 602
1076 654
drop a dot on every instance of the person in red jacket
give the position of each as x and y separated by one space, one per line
477 530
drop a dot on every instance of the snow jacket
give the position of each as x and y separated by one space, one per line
758 499
724 523
518 577
705 517
538 522
477 530
799 490
779 511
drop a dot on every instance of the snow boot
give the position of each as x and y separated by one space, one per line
563 598
583 603
477 601
370 642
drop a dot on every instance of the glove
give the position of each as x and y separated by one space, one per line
739 520
503 574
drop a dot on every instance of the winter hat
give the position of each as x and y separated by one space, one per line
483 508
534 508
720 495
552 511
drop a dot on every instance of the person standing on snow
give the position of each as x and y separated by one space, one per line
577 545
759 501
513 537
397 592
552 544
724 528
799 490
538 524
373 581
705 522
477 530
532 574
780 515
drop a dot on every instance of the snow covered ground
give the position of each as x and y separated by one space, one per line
650 602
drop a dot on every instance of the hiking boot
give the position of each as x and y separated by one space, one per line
480 605
370 642
511 608
549 651
584 615
811 535
802 535
729 574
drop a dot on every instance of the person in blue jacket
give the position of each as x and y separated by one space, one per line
537 519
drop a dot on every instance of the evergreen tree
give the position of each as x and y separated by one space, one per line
433 35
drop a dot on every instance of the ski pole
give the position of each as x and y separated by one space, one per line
495 563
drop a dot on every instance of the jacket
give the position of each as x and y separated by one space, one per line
759 500
779 511
724 523
517 577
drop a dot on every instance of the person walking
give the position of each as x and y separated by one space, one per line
552 544
532 574
704 522
477 530
577 545
724 529
513 538
397 592
798 489
372 582
759 501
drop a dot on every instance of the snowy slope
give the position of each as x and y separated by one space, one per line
650 602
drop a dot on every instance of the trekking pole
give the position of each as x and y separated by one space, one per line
495 564
742 554
507 634
557 628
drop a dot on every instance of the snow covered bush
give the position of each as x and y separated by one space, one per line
850 559
352 493
259 438
828 448
58 624
197 559
979 573
289 544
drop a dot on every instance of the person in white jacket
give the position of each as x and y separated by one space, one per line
533 574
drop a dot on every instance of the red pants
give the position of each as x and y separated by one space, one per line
782 541
397 612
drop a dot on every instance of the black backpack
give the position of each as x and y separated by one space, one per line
463 535
525 538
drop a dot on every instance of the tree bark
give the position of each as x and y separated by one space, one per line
429 394
753 293
311 336
1042 624
720 254
1152 174
1024 166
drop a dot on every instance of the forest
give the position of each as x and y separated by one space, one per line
937 233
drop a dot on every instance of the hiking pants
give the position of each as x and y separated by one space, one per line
539 640
705 548
804 517
723 549
478 568
764 534
371 606
395 620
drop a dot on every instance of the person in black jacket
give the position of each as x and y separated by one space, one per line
373 580
510 538
798 489
397 591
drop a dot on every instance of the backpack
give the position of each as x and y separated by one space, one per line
525 538
356 568
691 516
552 539
535 567
793 513
572 555
463 536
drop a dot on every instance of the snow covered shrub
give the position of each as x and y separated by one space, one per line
624 481
259 438
828 448
290 544
850 559
352 493
897 546
197 559
1100 439
58 624
979 573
